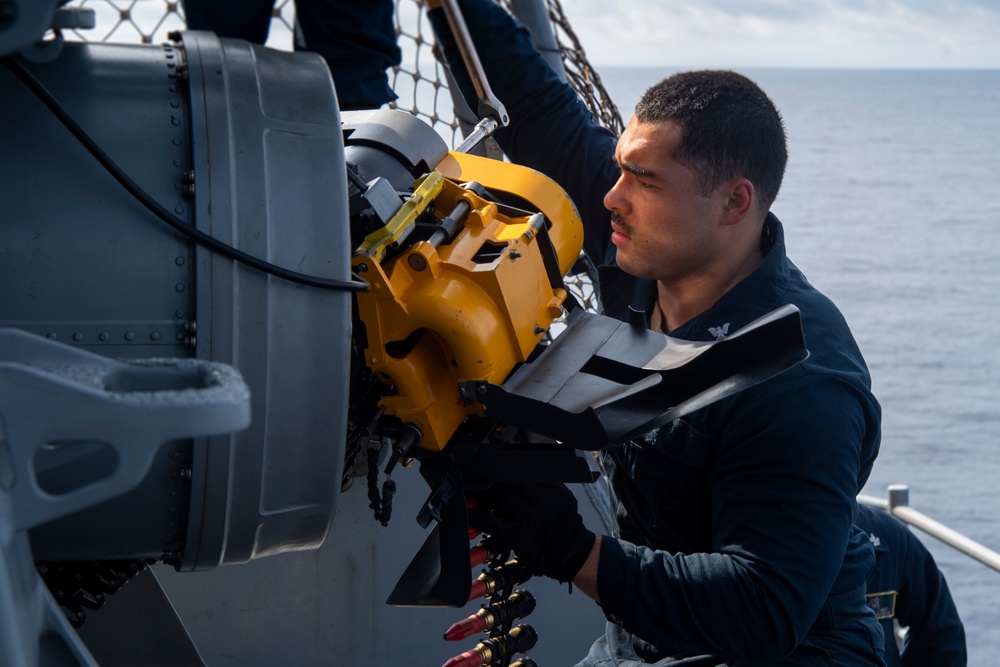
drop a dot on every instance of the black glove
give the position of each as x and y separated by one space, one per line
540 523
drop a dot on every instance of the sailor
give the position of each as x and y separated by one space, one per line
907 589
734 539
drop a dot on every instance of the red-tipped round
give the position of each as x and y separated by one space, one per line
478 590
467 659
478 555
465 628
473 531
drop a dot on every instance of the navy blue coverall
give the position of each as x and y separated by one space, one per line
735 541
906 585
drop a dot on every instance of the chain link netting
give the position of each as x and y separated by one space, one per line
420 81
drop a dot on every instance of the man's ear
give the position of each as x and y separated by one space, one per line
741 197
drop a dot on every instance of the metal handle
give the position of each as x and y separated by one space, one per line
489 105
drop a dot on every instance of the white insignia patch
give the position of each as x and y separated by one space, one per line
719 332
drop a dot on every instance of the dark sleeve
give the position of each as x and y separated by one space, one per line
240 19
937 636
358 42
551 129
783 485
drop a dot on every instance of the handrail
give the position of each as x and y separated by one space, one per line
898 504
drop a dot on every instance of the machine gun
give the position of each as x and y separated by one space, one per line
204 202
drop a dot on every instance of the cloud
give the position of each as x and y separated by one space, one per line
782 33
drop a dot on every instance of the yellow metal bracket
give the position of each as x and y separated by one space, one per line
427 188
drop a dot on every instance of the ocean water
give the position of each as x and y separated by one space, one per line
891 206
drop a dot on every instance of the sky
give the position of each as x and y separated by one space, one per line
913 34
917 34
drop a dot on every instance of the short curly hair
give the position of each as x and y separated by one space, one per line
729 128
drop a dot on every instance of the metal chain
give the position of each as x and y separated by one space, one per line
86 585
380 504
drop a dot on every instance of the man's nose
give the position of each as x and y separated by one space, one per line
614 200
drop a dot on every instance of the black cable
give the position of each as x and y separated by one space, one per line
213 244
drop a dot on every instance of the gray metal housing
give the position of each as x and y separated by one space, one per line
244 144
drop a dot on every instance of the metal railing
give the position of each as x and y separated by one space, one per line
898 504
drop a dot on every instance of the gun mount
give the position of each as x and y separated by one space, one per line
204 201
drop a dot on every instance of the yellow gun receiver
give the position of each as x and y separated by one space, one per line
469 309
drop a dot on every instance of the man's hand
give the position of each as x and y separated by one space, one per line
540 523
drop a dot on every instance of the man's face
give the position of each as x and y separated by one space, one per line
664 227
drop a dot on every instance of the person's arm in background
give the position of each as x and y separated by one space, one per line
358 42
937 636
905 568
550 129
